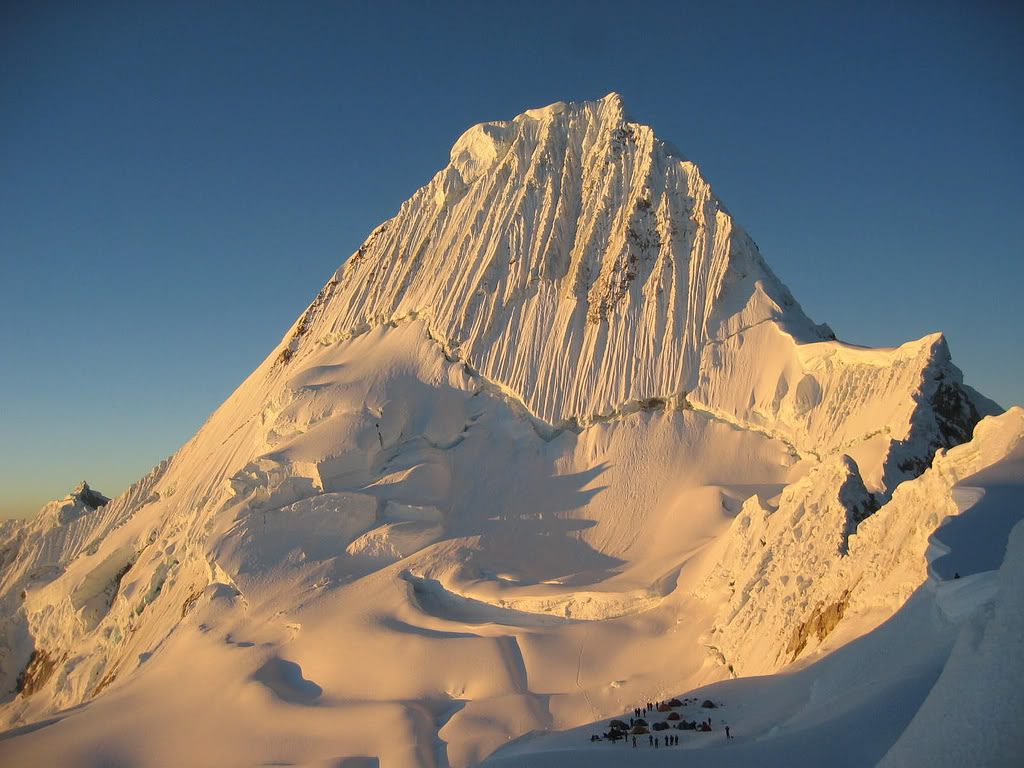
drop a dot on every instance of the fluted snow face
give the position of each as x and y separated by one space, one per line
568 255
364 484
889 408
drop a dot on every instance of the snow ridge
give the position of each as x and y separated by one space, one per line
779 568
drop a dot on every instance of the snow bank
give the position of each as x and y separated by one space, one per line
973 713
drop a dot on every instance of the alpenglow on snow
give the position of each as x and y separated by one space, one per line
553 441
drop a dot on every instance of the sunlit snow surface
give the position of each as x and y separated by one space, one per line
554 442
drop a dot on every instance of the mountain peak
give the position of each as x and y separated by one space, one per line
576 263
557 395
555 253
88 496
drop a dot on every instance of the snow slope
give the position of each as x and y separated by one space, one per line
937 684
786 585
554 440
581 265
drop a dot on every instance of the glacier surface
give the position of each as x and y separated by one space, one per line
553 442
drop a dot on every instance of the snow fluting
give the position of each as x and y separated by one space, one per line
553 441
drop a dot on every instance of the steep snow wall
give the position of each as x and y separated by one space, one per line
980 683
790 574
568 255
890 407
580 265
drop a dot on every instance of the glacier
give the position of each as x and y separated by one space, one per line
553 441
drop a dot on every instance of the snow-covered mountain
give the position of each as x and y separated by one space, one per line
554 441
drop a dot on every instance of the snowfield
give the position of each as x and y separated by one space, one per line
554 442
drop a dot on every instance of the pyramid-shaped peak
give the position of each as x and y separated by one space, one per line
556 251
555 374
88 496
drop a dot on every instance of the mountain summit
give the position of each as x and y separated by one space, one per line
581 266
569 255
552 442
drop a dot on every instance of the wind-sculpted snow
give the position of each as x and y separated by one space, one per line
552 441
983 674
889 408
921 689
567 254
36 552
579 264
786 589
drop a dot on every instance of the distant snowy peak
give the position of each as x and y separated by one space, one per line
568 255
80 501
90 497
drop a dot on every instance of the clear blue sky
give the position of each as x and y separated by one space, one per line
177 179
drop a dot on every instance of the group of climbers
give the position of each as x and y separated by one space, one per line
638 725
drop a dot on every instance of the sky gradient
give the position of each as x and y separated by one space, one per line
177 180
